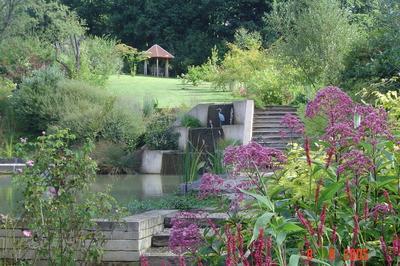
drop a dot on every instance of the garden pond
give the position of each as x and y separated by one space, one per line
124 188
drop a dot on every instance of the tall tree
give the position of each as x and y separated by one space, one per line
188 29
315 36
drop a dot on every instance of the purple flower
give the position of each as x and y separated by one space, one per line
210 184
293 123
30 163
380 209
27 233
253 157
53 192
373 122
331 102
356 162
185 235
339 134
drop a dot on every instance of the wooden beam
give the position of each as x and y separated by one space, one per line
166 68
145 67
157 67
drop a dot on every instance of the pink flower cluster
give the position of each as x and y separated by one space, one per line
185 235
373 121
210 185
293 123
253 157
332 102
356 162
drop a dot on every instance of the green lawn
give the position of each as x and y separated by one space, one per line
168 91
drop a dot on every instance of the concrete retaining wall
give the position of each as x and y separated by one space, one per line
243 115
7 168
124 241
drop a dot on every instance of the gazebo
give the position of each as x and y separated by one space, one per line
157 52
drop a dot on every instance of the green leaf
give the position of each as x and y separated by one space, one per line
261 199
260 223
280 238
290 227
294 260
330 191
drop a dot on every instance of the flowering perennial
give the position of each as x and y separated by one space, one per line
293 123
185 235
331 102
210 185
252 157
356 162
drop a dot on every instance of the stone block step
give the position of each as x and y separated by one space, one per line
274 131
163 256
267 120
272 125
161 239
273 113
277 107
201 220
275 136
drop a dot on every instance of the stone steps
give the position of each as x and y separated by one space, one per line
159 252
161 239
217 218
267 126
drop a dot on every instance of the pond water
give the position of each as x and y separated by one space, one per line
124 188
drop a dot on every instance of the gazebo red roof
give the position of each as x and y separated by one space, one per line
156 51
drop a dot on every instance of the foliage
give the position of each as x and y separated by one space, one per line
190 121
188 201
33 103
57 204
99 60
114 158
374 62
190 29
6 88
159 133
313 204
205 72
47 101
193 162
124 123
132 56
19 56
391 102
315 37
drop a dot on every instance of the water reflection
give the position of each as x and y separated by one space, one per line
124 188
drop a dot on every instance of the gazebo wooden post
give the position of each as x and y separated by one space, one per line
158 52
166 68
157 67
145 67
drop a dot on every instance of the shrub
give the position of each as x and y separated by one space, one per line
124 123
83 109
159 133
47 101
58 207
34 103
100 59
20 56
113 158
190 121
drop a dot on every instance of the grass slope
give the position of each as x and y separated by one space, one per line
168 91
